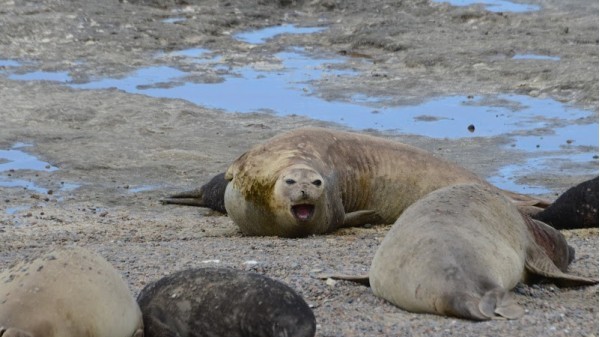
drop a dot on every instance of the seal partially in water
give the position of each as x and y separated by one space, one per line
68 293
223 302
576 208
460 249
315 180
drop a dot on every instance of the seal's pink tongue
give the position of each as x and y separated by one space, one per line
303 212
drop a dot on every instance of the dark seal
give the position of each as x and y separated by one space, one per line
576 208
223 302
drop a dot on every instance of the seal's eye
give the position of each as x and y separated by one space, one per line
290 181
317 182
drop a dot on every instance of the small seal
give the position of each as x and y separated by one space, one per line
315 180
576 208
68 293
223 302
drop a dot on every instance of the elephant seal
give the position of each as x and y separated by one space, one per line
460 249
576 208
68 293
223 302
315 180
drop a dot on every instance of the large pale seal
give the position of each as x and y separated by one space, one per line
67 293
315 180
460 249
223 302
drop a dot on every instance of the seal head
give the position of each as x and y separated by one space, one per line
299 204
299 189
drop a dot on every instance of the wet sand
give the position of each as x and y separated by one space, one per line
118 153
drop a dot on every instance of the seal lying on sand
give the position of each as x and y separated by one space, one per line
458 251
315 180
223 302
576 208
67 293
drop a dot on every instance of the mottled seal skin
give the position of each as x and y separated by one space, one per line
576 208
460 249
68 292
210 195
315 180
223 302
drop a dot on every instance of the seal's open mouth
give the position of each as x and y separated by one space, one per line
303 212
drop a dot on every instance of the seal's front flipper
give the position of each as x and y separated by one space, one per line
360 218
210 195
538 263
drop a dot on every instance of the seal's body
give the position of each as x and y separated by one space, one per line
67 293
223 302
361 179
460 249
315 180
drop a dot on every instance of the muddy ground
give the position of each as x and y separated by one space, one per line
110 142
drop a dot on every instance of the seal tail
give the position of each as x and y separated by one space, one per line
189 198
494 304
210 195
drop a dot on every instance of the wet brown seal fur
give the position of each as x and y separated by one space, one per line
223 302
315 180
460 249
68 293
576 208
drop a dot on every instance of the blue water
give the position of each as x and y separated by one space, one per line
192 52
495 5
262 35
59 76
20 160
9 63
535 57
174 19
288 90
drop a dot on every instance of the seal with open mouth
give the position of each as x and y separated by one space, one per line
315 180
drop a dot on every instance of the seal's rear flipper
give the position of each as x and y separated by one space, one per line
361 279
494 304
359 218
210 195
538 263
498 303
